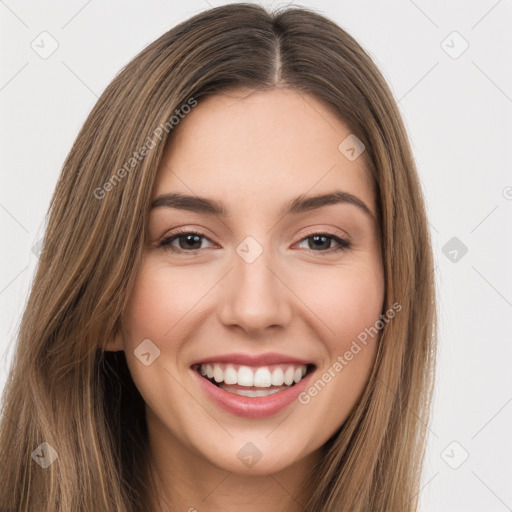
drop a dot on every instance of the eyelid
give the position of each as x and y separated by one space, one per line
328 231
310 231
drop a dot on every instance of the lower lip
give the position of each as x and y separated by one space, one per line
252 407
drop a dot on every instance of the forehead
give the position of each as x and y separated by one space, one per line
266 146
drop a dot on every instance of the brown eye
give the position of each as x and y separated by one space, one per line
321 243
188 242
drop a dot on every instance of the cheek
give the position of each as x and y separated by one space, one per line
153 312
351 306
161 300
358 307
347 302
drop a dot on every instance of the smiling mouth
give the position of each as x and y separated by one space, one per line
253 381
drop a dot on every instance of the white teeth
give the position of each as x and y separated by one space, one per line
218 374
288 376
261 377
230 375
245 376
277 377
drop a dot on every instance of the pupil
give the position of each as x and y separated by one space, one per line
197 240
317 237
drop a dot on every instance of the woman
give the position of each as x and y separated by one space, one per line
234 305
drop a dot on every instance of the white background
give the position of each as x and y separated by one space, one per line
458 113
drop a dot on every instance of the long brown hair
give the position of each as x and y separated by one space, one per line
65 390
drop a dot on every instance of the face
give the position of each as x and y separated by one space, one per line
257 291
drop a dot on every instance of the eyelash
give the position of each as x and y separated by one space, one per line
343 244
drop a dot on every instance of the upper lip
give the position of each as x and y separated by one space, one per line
252 360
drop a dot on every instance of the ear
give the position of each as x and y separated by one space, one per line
115 344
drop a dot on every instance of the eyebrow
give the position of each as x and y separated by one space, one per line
296 205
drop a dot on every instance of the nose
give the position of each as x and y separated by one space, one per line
255 295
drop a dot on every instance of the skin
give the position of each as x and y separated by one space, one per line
252 151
